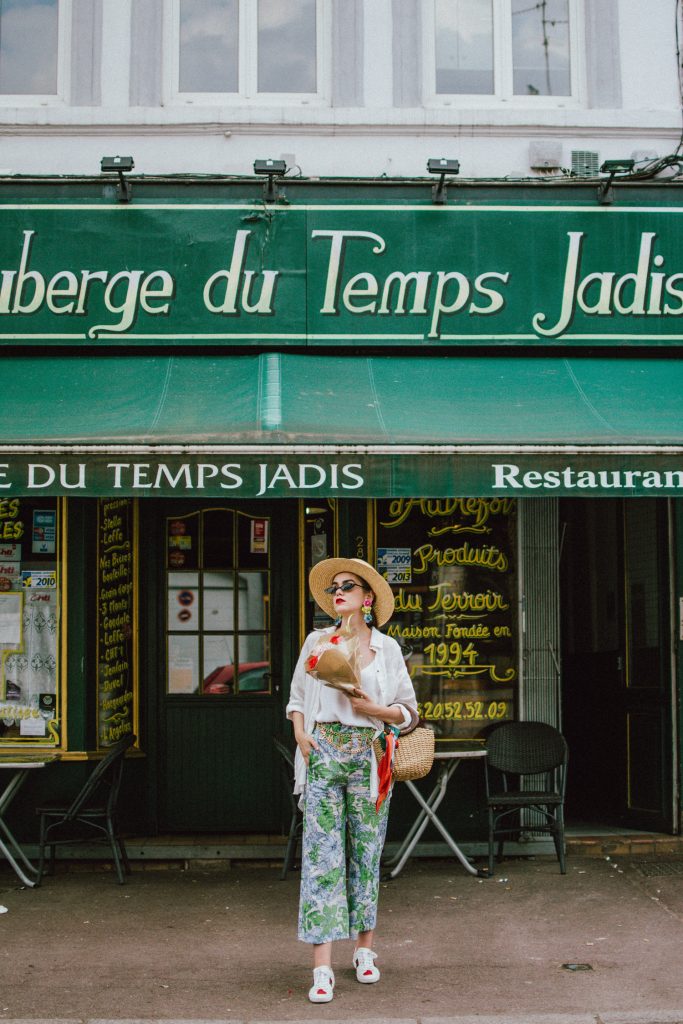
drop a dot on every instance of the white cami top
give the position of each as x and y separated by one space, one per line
335 706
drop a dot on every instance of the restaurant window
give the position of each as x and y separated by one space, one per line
218 604
502 50
452 564
242 50
30 602
32 48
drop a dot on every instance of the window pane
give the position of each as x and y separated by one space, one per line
540 48
217 525
464 46
28 46
183 608
183 664
182 541
218 601
254 666
219 669
209 41
286 46
253 600
253 541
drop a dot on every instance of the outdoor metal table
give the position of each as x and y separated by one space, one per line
21 765
446 762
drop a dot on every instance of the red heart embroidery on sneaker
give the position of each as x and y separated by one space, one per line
321 992
367 972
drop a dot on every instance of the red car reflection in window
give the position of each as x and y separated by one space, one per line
254 677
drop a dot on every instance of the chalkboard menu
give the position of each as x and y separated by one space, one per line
116 616
452 566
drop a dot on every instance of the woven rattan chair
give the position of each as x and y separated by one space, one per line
536 754
91 815
296 823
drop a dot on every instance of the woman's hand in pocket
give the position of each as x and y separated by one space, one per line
306 744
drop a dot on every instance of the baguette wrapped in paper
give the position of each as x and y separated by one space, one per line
334 660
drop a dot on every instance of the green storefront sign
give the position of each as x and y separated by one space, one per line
96 274
357 476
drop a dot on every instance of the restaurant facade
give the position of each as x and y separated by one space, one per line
210 387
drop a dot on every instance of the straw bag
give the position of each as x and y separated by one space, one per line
414 754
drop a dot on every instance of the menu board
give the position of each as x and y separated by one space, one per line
452 566
116 615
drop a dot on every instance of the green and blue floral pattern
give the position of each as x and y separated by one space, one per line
338 805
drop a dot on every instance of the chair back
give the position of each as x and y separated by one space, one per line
107 773
526 748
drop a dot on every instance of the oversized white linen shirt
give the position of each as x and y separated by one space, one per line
394 685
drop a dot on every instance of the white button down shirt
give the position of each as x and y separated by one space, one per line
394 684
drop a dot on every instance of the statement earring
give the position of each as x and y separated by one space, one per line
367 611
338 622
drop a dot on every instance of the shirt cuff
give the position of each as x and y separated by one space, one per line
407 717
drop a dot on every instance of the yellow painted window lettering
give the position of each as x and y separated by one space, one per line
11 528
450 654
468 710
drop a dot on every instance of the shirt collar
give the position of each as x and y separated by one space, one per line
376 640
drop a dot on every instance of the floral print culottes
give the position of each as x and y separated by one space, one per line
338 807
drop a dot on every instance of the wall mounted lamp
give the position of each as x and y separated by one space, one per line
273 169
611 167
120 165
442 167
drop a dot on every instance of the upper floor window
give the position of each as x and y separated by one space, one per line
29 47
502 49
247 49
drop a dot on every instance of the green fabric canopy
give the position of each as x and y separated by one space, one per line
276 399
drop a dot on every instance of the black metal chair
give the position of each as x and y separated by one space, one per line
296 823
93 809
519 751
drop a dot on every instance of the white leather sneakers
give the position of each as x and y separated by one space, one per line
364 962
322 989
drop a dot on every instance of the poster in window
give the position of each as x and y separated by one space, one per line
29 621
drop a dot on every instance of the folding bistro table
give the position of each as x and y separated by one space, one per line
20 765
446 763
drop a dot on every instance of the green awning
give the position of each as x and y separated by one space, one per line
290 399
438 423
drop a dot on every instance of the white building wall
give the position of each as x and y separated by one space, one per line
374 119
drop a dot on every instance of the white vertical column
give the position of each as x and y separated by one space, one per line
378 67
116 19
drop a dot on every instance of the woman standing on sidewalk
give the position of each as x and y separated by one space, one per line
336 769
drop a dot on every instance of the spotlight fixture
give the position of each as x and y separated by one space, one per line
442 167
273 169
120 165
611 167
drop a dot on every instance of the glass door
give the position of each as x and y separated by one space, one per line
220 701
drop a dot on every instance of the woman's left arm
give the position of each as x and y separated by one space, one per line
392 714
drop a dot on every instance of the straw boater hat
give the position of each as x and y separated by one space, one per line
323 573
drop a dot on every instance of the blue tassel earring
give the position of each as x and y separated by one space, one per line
367 612
337 622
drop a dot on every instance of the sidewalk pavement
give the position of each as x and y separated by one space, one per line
217 943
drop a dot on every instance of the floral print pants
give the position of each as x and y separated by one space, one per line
338 806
